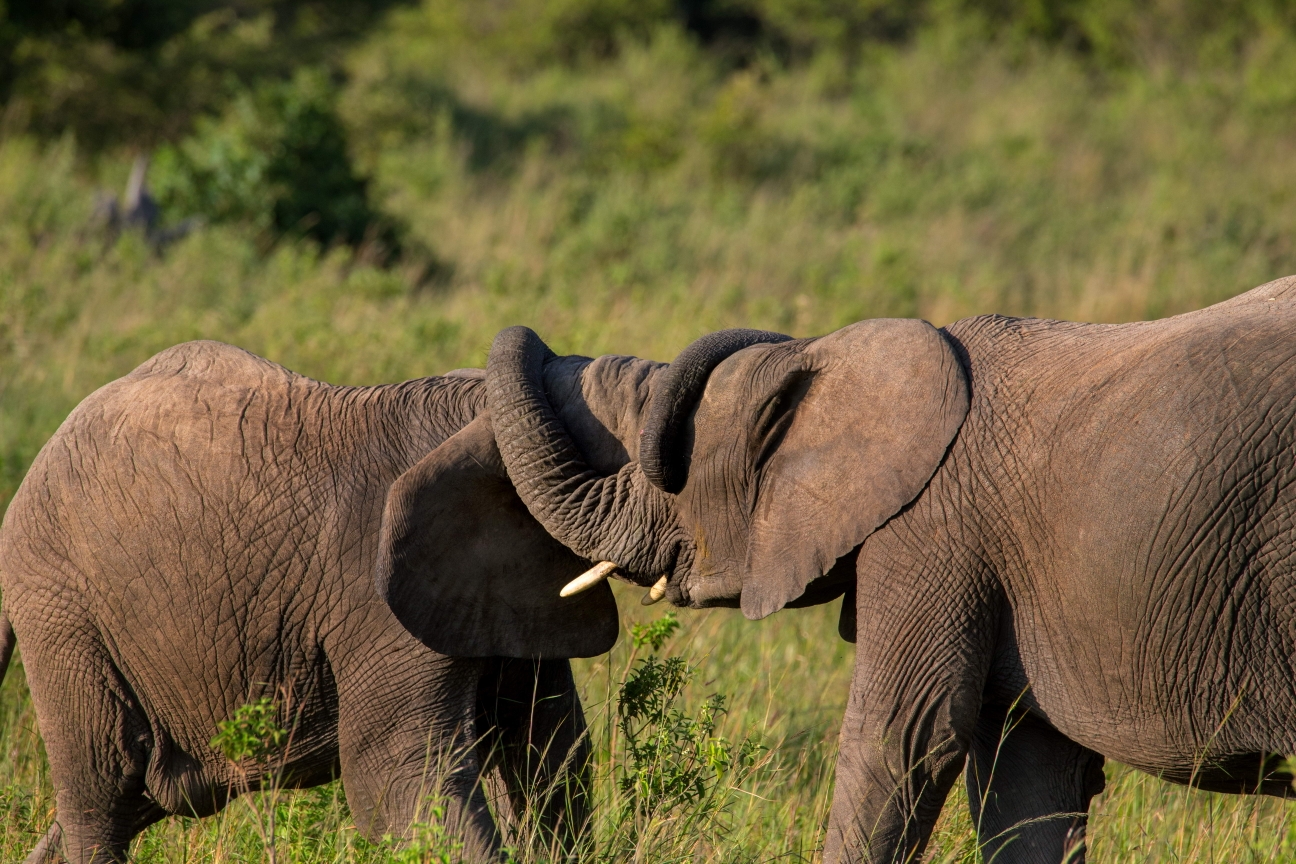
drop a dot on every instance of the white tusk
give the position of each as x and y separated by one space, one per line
655 593
588 579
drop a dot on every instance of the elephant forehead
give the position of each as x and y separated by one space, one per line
720 440
601 403
740 384
618 390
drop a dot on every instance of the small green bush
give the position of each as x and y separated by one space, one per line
672 767
277 159
251 734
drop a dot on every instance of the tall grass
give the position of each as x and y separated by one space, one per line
631 206
787 680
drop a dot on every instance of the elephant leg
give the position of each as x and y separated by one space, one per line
1029 788
533 729
98 742
407 743
920 669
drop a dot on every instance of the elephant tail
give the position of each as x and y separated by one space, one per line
7 642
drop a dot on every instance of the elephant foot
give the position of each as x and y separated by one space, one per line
46 851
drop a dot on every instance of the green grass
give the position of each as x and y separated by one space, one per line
787 680
632 205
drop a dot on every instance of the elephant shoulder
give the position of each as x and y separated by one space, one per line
210 360
1281 291
997 348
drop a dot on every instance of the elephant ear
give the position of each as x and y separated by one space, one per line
867 416
467 569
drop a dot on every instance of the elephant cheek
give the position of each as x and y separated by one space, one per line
713 581
714 591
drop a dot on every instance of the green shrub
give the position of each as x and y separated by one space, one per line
277 159
253 737
672 767
252 734
675 759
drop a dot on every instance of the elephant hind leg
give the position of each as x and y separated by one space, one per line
98 741
1029 788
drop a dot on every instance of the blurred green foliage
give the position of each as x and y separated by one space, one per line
276 159
624 177
278 113
143 71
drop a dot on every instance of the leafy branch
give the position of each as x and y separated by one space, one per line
253 735
674 765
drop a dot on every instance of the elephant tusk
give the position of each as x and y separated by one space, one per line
655 593
588 579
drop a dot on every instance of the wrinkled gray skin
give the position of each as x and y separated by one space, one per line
1059 542
206 531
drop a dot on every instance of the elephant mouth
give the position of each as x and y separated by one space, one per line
663 589
708 590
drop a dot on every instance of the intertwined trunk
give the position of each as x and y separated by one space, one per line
628 518
620 518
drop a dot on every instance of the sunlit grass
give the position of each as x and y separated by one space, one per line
786 680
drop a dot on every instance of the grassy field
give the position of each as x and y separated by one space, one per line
630 207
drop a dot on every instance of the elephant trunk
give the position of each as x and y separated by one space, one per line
661 446
620 518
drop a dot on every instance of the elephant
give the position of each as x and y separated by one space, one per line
208 531
1057 542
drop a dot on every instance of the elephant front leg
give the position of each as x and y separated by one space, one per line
893 774
1029 788
908 725
532 728
407 742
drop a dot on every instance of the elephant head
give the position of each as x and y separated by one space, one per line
464 565
470 573
762 460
